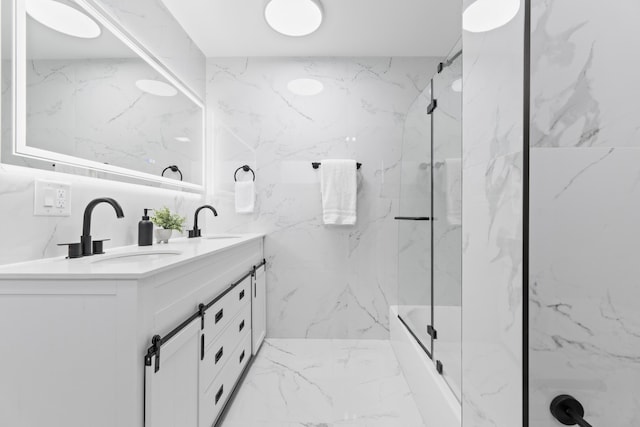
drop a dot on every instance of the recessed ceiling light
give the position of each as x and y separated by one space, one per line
487 15
305 87
182 139
63 18
456 86
156 87
294 17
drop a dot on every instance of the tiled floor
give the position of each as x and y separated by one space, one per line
324 383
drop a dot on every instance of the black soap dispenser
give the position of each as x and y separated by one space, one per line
145 230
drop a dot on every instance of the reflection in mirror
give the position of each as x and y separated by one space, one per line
92 101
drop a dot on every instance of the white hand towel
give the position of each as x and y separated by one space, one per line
339 188
453 190
245 196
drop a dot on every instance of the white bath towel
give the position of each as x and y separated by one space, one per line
339 187
453 190
245 196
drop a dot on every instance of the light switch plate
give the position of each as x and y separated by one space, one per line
52 198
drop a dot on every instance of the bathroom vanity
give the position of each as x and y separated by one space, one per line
139 336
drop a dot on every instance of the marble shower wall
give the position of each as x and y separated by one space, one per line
25 236
585 207
324 282
492 225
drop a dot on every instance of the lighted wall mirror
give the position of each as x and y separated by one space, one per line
80 95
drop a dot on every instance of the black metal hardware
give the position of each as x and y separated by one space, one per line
74 251
245 168
416 338
157 343
202 310
219 393
432 106
440 67
241 357
568 411
85 239
241 295
173 168
196 231
412 218
439 367
241 327
202 347
432 332
316 165
219 354
219 315
98 246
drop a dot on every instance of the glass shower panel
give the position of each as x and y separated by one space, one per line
414 241
447 223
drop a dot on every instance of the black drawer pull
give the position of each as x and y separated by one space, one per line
241 294
219 315
219 393
242 356
219 354
202 347
241 326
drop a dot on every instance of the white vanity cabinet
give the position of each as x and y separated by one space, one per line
259 308
76 334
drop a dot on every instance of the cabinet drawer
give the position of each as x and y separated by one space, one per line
220 349
218 316
213 399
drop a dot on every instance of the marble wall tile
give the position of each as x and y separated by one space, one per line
584 323
324 282
585 326
492 226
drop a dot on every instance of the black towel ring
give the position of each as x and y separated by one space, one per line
245 168
174 168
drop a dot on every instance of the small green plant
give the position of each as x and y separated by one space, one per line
165 219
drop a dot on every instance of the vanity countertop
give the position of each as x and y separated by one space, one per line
126 262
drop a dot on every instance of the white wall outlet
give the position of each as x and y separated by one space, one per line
52 198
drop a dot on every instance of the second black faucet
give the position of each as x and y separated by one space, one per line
196 231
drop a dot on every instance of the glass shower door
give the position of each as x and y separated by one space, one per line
447 219
414 242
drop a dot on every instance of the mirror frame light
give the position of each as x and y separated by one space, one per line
19 70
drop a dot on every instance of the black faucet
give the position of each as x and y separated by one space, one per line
85 240
196 231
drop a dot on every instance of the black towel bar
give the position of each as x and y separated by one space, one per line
316 165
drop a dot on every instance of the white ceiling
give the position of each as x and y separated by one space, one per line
350 28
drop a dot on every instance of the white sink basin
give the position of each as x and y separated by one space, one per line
222 236
131 257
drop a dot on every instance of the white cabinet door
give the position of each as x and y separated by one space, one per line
259 309
171 394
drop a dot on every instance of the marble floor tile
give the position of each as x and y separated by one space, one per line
324 383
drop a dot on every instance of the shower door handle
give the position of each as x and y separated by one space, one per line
413 218
568 411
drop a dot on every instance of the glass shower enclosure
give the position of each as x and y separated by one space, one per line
430 221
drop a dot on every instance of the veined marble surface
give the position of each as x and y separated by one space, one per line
585 205
324 383
492 225
324 282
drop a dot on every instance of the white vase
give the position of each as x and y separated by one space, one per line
162 235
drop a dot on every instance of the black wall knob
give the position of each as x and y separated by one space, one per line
568 411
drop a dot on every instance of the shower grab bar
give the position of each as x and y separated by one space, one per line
568 411
412 218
